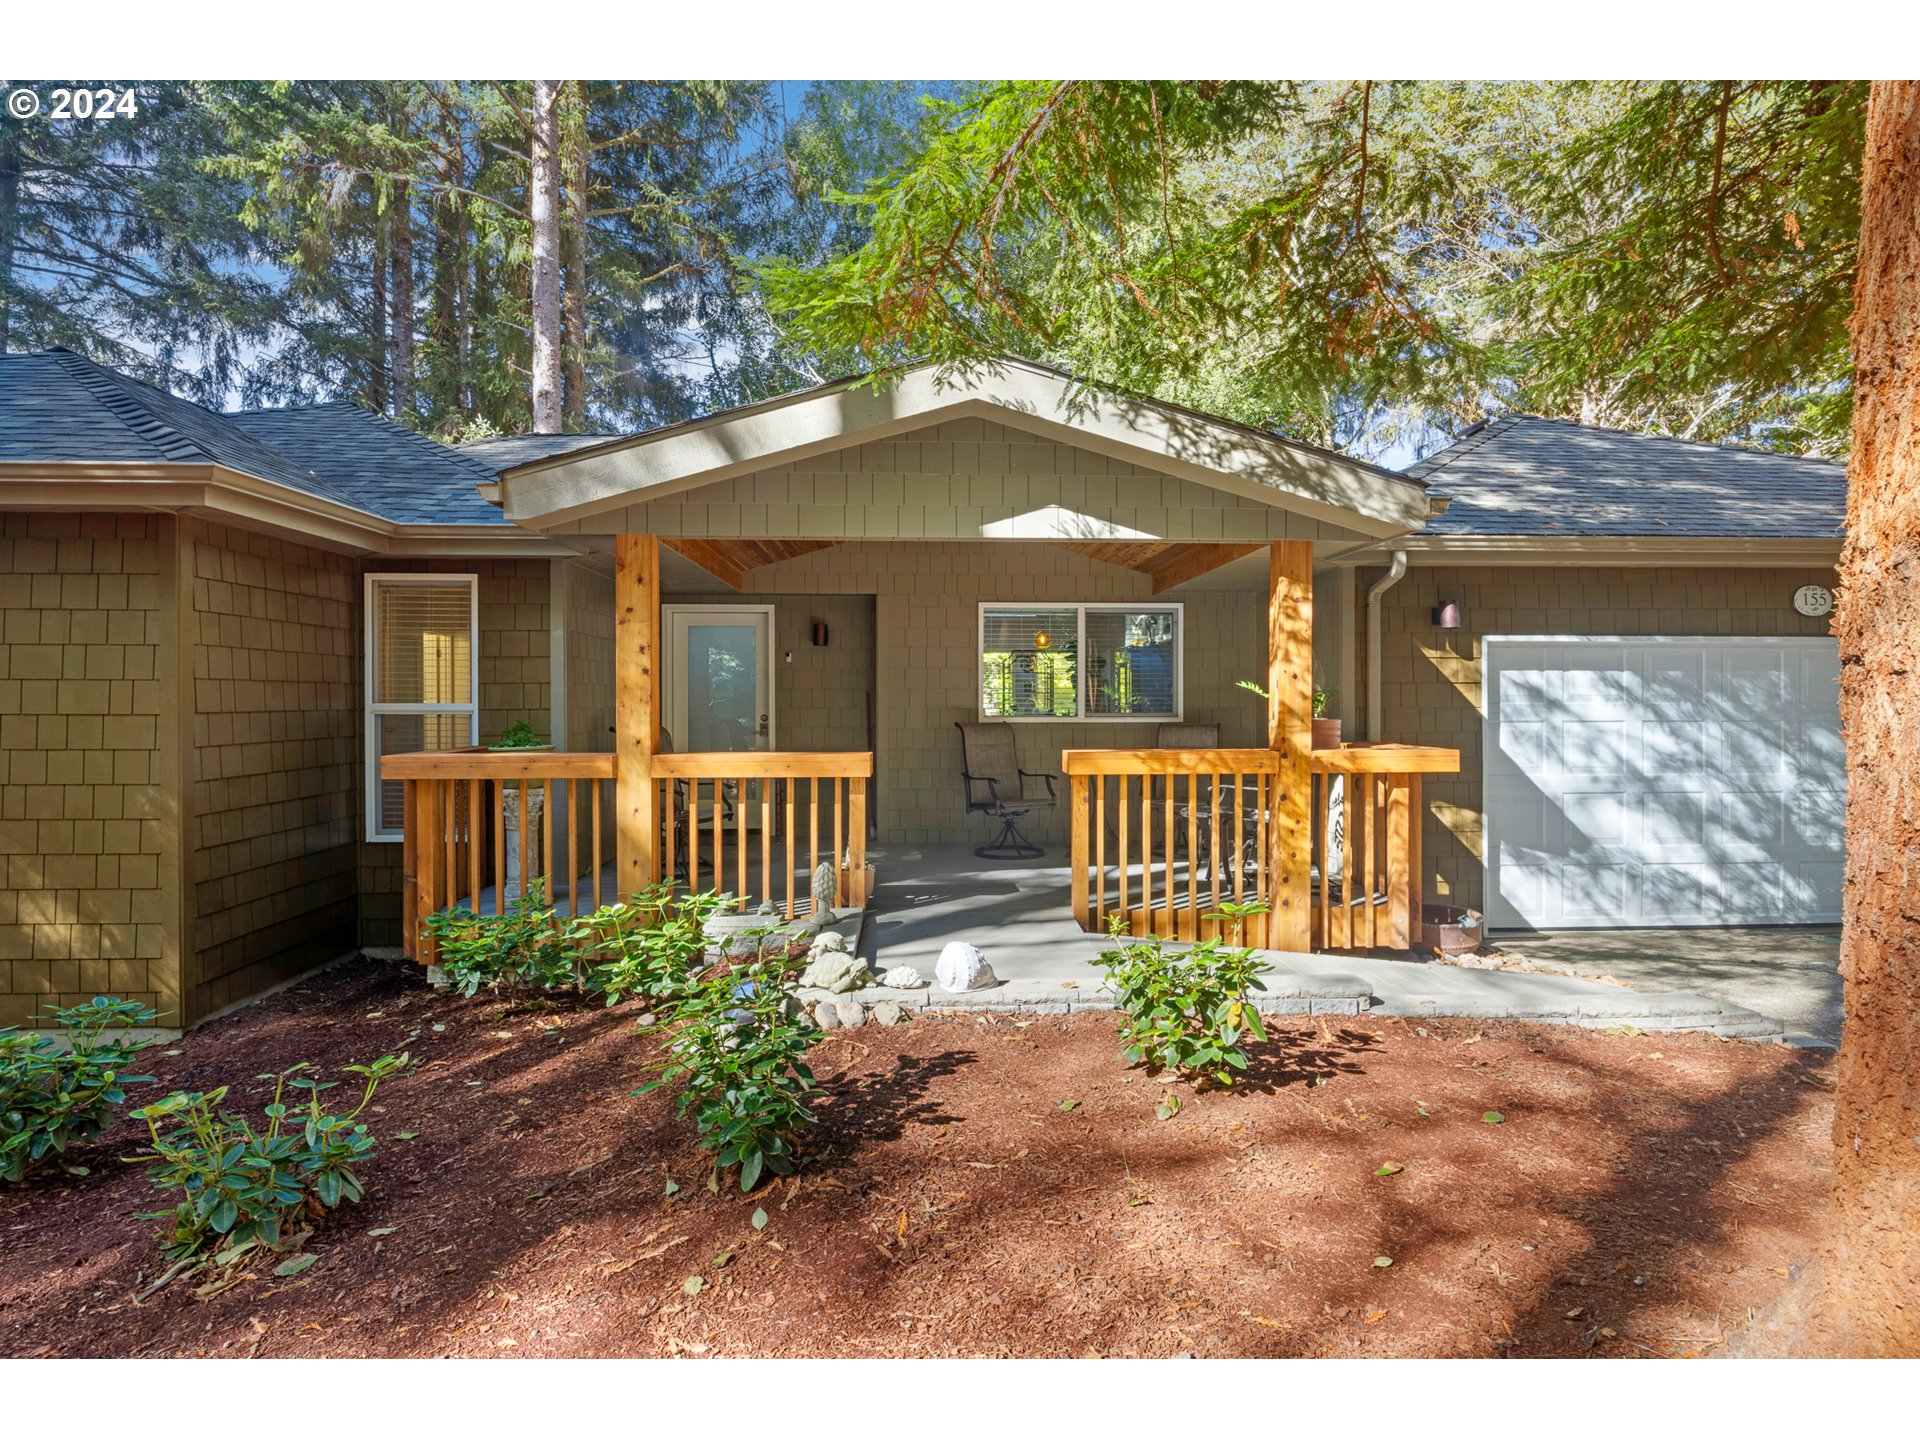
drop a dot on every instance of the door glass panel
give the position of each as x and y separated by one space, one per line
723 702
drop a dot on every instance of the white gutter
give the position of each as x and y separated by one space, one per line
1395 573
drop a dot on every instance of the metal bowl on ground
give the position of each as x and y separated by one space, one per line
1451 929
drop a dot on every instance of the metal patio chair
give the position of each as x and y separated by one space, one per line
995 785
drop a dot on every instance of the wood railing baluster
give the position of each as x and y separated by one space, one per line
1077 842
857 823
790 839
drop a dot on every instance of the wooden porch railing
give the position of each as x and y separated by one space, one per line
1209 811
1368 881
480 827
1163 837
774 793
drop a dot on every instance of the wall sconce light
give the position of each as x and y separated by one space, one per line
1446 615
820 633
1041 639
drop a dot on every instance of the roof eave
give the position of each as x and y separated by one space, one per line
1172 441
1610 550
217 493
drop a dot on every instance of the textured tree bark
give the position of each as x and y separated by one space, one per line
544 207
377 391
1862 1295
401 349
573 243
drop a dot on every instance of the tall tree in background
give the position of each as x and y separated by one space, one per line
543 214
658 191
115 242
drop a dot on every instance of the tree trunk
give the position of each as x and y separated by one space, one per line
574 249
402 347
544 207
1865 1290
377 392
11 162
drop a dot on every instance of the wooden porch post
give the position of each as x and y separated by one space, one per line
1290 732
636 710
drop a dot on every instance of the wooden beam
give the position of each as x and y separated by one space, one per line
636 710
1290 734
713 559
729 560
1181 563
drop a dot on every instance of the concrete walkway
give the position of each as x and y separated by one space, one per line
1789 972
1019 913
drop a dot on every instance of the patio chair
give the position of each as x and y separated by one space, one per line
1181 735
994 785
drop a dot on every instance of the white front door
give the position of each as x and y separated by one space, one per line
719 679
1662 781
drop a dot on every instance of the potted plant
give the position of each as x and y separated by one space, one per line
1326 733
520 737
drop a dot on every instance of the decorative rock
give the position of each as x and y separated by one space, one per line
836 972
963 967
824 884
902 977
850 1013
765 908
825 1016
888 1013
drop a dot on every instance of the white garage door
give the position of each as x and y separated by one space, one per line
1636 781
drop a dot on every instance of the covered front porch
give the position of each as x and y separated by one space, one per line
949 533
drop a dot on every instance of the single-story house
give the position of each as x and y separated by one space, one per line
247 662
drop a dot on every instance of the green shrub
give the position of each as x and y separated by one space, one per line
523 946
737 1057
650 946
244 1187
519 736
1187 1010
55 1095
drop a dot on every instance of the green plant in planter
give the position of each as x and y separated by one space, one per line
519 736
737 1057
523 946
1190 1010
243 1186
650 946
1322 699
54 1095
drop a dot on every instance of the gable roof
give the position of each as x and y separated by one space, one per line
386 468
57 406
1522 475
1169 439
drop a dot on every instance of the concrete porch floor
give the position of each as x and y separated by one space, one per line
1019 913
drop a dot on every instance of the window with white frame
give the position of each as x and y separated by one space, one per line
1080 662
423 684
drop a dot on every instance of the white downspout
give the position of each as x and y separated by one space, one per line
1395 573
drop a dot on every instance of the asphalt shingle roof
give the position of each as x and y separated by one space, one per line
385 467
58 406
506 451
1523 475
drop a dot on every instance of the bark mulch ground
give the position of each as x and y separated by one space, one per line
977 1186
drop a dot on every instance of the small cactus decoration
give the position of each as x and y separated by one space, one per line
823 886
